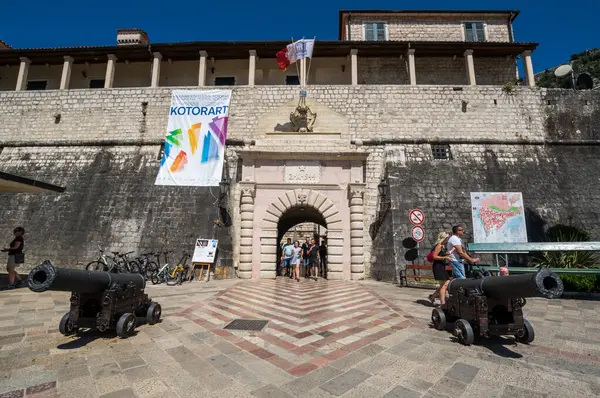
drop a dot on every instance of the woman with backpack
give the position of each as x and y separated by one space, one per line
440 259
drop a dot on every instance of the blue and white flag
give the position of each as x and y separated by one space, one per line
300 49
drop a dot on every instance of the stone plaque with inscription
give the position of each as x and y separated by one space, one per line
304 172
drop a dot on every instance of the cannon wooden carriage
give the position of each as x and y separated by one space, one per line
99 300
493 306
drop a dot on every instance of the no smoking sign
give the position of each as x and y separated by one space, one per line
416 217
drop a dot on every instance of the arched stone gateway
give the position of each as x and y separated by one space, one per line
301 198
344 232
277 192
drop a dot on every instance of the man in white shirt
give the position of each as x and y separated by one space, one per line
456 252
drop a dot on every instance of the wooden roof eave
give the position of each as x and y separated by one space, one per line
265 49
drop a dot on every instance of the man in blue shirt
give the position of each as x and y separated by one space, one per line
286 256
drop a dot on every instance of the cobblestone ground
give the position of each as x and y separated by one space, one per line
323 339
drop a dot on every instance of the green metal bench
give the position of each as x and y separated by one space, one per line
524 270
503 249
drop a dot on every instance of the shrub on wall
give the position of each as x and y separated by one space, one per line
581 283
567 259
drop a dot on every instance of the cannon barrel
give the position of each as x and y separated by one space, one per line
543 283
46 277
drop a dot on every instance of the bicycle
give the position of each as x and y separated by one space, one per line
102 263
164 272
145 265
180 271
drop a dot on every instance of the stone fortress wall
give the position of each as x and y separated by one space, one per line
104 146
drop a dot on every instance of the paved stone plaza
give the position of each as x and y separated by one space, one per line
323 339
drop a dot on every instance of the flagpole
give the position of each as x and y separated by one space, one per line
308 73
297 71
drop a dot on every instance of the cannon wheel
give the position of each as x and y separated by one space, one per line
464 332
153 313
64 328
529 333
438 318
126 325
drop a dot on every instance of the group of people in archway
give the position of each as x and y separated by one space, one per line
310 256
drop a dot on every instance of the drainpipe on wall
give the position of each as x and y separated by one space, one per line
511 36
349 30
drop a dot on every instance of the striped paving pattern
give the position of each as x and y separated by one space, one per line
311 323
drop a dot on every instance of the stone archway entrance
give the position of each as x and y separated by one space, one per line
288 208
276 193
296 216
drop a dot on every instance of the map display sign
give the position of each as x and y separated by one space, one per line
205 251
498 217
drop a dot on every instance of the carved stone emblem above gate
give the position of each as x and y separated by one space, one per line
302 171
303 118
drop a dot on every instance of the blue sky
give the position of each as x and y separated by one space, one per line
562 28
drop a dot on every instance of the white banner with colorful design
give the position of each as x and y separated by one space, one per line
195 142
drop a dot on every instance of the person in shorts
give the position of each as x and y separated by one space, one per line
296 258
455 250
314 259
15 257
287 258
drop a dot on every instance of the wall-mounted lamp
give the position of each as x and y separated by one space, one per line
212 70
384 191
343 68
83 73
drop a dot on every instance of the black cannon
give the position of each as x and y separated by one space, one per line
493 306
99 300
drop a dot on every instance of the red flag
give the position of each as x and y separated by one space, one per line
282 59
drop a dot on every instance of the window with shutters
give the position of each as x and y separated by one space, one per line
474 31
375 31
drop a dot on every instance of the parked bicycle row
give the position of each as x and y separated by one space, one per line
148 265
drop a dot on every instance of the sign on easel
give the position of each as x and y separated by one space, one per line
205 251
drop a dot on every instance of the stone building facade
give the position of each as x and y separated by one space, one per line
104 145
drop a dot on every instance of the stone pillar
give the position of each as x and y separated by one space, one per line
470 66
202 69
357 230
248 189
109 78
412 71
528 66
335 254
252 68
354 66
66 73
23 72
156 69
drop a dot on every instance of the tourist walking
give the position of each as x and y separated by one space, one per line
16 257
323 255
296 258
440 260
305 247
314 258
286 257
455 250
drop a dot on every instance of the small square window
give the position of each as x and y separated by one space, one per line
292 81
225 81
97 83
375 31
474 31
441 151
37 85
